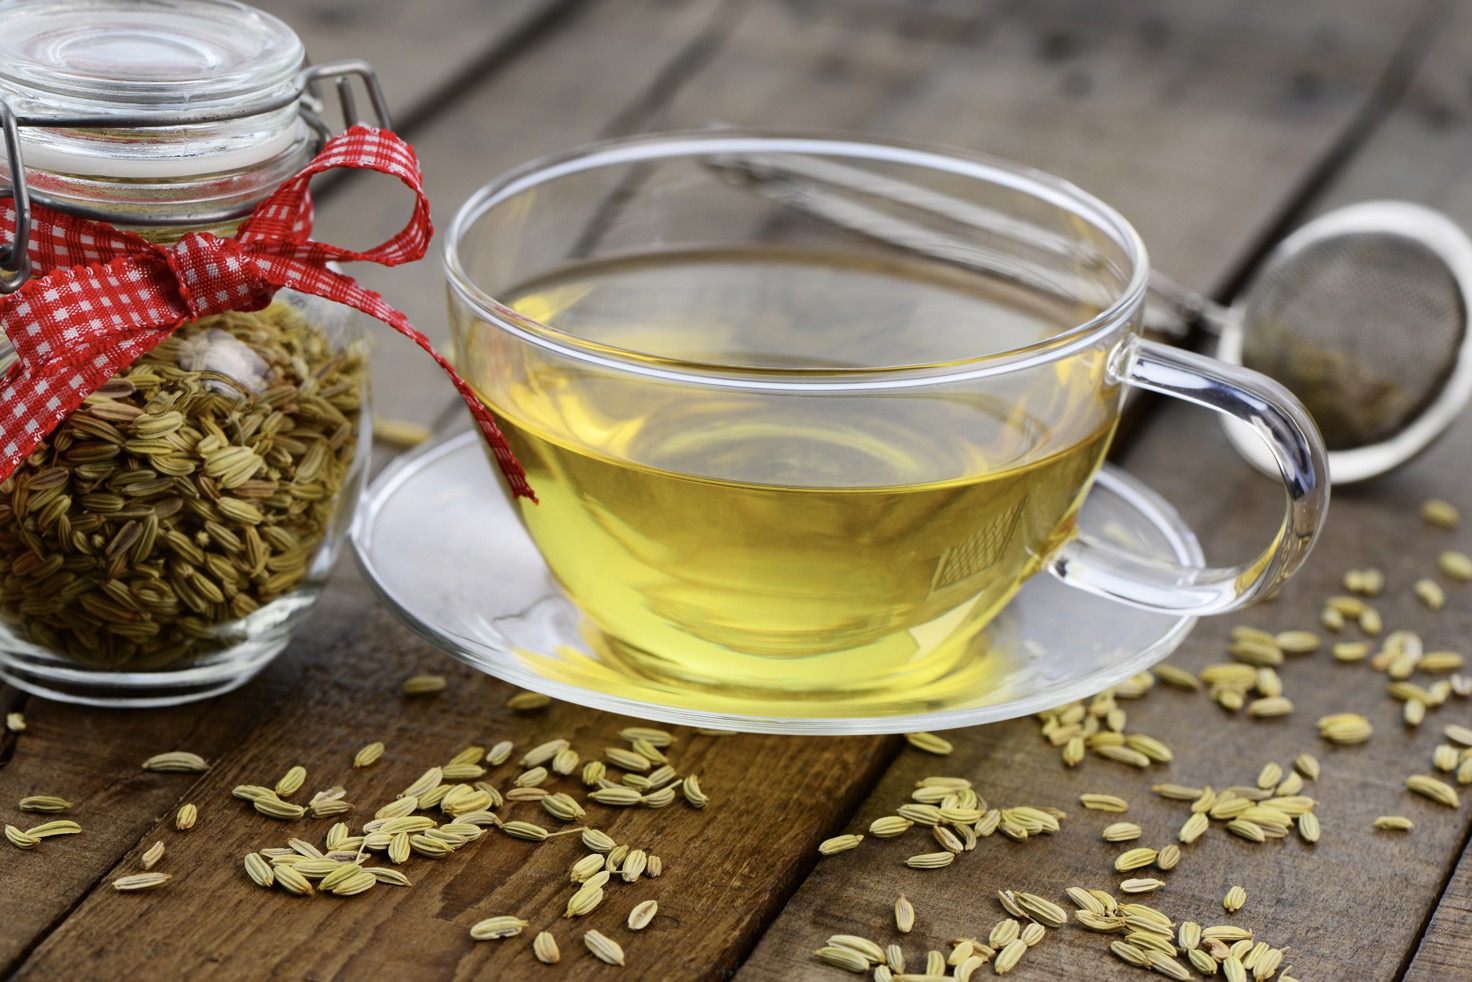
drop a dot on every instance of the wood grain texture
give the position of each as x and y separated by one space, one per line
1201 122
1420 154
565 89
727 869
91 757
1173 113
1357 882
1174 196
421 51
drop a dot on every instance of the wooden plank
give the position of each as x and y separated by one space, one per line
1309 897
422 52
1173 113
1445 951
1419 154
1152 75
726 868
617 54
91 757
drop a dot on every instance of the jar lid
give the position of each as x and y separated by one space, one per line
153 58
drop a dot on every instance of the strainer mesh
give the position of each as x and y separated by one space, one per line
1363 328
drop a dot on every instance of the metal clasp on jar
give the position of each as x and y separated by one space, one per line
15 265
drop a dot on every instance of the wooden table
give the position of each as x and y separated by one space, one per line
1216 126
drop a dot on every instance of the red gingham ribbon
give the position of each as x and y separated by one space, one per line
110 296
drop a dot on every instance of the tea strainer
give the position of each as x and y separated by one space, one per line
1362 313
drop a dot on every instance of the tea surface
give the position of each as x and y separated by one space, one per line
812 542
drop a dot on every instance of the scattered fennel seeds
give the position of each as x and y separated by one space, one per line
1134 859
526 701
500 753
400 433
690 787
1440 661
1141 885
291 782
598 841
525 830
293 882
1004 932
603 948
544 753
1308 827
150 858
1104 802
544 946
1430 593
844 958
616 795
188 814
44 803
1040 909
1458 734
20 839
863 946
1297 642
176 761
1270 706
1345 728
904 914
889 826
662 798
930 743
140 881
259 870
273 807
420 685
1177 677
1456 565
59 827
642 914
839 843
627 759
392 877
1129 954
931 860
1436 790
1009 956
15 722
368 755
1234 899
1396 823
894 958
566 762
1442 514
496 928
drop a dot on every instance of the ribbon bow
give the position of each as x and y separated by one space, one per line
111 296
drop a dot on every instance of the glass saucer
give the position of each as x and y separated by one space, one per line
445 552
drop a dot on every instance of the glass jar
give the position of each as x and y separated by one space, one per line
165 540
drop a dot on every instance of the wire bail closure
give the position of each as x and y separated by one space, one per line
15 264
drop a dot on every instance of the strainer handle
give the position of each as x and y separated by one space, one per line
1289 432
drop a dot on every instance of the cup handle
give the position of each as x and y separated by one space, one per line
1275 415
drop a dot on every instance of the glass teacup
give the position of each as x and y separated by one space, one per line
802 413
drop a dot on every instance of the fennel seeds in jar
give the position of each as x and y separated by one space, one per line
192 489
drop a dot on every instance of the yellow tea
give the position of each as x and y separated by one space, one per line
825 542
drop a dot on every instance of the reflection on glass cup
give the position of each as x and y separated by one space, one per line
803 413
